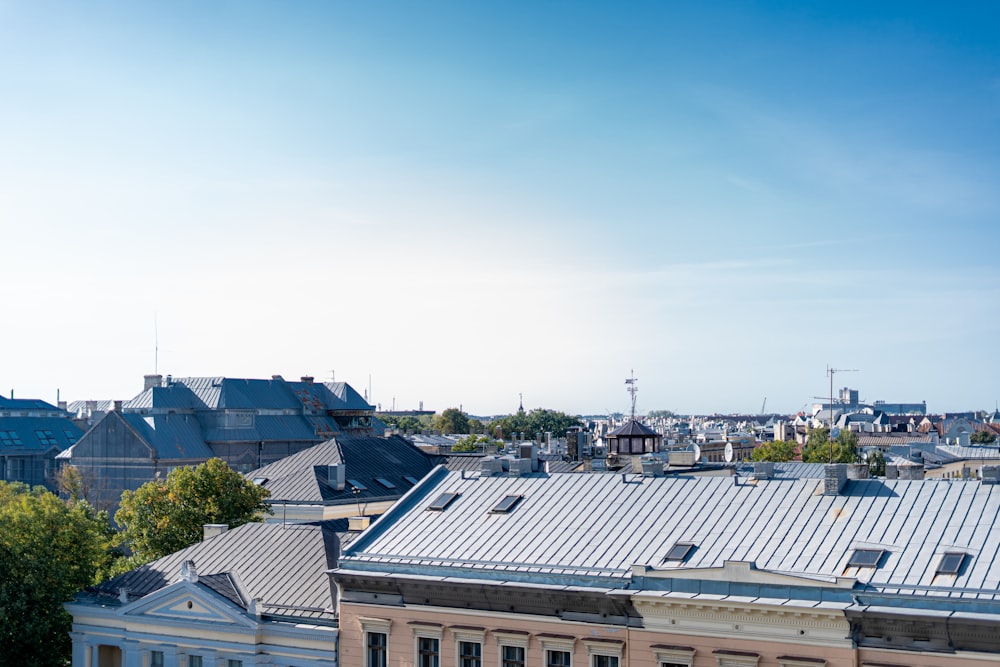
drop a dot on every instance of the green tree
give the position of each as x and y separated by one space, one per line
657 414
817 447
536 421
451 420
984 437
876 463
164 516
411 423
474 443
778 451
49 549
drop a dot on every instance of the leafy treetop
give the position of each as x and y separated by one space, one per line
778 451
536 421
817 447
164 516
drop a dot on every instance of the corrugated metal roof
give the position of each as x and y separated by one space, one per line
602 525
172 436
31 435
283 565
304 477
971 452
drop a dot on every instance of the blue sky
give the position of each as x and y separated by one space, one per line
465 201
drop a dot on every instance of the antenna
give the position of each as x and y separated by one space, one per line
831 371
633 389
156 345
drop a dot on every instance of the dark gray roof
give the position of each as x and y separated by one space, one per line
172 436
32 435
282 565
633 428
303 477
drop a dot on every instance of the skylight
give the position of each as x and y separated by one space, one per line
866 558
442 501
506 505
679 552
384 482
356 485
259 481
950 563
412 480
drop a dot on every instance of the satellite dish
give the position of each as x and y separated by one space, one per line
697 454
729 452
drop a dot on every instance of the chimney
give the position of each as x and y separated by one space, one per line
911 472
62 405
210 530
308 379
991 474
189 572
835 478
118 406
651 467
358 523
150 381
858 471
762 469
335 476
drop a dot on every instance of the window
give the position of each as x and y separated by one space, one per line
156 659
866 558
9 438
673 656
511 656
557 658
46 438
603 661
428 652
411 479
506 505
442 501
470 654
950 563
679 552
377 644
384 482
234 663
194 661
70 437
356 485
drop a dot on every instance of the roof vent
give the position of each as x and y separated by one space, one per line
308 379
763 469
358 523
651 467
335 476
189 572
210 530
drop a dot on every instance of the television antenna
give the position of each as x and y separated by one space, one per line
831 371
633 389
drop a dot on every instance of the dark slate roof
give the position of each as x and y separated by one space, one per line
26 435
303 477
633 428
172 436
283 565
25 404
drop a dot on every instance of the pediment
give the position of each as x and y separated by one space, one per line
187 601
743 572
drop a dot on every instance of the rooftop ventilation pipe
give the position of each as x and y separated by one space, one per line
336 476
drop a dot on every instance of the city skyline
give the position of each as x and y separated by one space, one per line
467 202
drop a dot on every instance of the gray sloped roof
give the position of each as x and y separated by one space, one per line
303 477
32 435
574 525
633 428
282 565
172 436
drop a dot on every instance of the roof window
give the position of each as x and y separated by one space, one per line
260 481
384 482
866 558
443 501
411 479
951 563
506 505
356 485
679 552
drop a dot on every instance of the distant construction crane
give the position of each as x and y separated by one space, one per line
763 405
831 371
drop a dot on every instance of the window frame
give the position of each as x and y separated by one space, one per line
430 632
517 639
379 626
556 644
673 655
855 561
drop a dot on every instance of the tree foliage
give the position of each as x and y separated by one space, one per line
660 414
49 549
536 421
451 420
984 437
876 463
410 423
164 516
817 447
475 443
778 451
